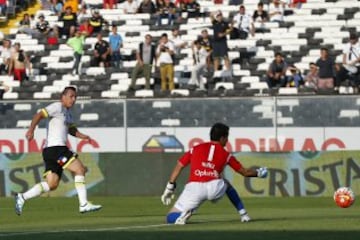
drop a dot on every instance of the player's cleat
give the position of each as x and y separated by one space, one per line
181 220
19 203
89 207
245 217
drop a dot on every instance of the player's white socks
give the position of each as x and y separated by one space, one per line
242 211
81 189
36 190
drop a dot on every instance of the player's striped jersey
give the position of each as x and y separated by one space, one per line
207 161
59 120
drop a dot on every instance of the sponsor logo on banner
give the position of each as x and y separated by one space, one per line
292 174
163 143
19 172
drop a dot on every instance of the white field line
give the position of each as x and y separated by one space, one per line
84 230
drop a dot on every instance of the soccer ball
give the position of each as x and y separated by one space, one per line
344 197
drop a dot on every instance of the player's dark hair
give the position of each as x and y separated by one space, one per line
218 130
67 89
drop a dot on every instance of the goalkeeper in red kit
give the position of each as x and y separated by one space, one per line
207 162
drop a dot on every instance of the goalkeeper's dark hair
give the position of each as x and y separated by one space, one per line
219 130
67 89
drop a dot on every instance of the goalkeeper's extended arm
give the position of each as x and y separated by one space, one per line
168 194
259 172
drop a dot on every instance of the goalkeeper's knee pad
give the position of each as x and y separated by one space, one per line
171 217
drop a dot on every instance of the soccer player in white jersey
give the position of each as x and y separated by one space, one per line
56 154
207 162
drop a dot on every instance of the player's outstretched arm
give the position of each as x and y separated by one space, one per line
259 172
73 131
34 122
168 194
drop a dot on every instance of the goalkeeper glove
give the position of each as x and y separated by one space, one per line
262 172
168 193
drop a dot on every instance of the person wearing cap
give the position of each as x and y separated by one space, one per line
42 25
97 21
221 28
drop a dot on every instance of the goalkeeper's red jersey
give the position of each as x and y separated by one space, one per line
207 161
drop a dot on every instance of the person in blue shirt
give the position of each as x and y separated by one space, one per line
115 41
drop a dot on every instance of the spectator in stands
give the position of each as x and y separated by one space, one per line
102 55
86 28
165 56
147 6
295 78
5 56
57 7
3 7
326 70
77 44
206 42
192 7
260 17
42 25
297 3
69 20
342 77
83 14
276 73
74 4
351 58
109 4
130 6
177 41
312 77
3 89
200 56
276 11
242 25
53 36
220 49
116 42
97 21
19 63
145 56
165 9
26 25
26 21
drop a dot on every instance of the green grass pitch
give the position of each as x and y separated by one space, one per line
143 218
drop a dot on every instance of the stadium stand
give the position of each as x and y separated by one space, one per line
317 23
299 37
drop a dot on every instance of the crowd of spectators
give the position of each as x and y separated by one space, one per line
209 50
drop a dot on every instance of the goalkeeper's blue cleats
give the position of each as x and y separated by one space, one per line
181 220
19 203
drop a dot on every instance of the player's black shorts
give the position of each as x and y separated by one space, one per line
57 158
